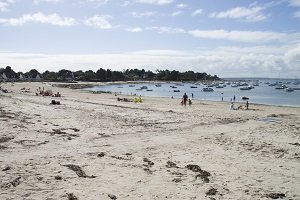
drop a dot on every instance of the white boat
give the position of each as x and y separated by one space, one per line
207 89
246 88
281 87
289 89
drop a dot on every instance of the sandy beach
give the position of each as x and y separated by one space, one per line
95 147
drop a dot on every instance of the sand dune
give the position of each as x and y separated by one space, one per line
95 147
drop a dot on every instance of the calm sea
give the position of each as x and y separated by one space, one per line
262 94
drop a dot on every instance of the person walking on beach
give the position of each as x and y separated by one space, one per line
185 98
247 105
234 98
192 95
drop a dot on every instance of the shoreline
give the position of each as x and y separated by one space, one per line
83 85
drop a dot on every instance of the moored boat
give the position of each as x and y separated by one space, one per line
208 89
289 89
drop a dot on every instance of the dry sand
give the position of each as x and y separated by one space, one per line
95 147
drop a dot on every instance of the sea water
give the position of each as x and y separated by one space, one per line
262 94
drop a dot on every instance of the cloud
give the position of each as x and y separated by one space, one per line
182 5
99 21
176 13
5 4
164 29
151 2
135 30
142 14
98 2
197 12
223 61
245 36
53 19
294 2
297 14
46 1
250 14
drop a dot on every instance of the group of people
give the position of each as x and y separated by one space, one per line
240 107
186 99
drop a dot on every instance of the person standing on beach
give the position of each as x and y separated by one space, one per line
247 105
192 95
234 98
184 98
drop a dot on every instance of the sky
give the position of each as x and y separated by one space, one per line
229 38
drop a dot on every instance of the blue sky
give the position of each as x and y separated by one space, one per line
229 38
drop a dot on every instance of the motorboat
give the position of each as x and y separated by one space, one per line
207 89
246 88
281 87
289 89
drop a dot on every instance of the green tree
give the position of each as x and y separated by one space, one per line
101 74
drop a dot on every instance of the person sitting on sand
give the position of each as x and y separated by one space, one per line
232 106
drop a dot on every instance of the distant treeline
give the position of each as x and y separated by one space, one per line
107 75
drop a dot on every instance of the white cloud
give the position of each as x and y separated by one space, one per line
46 1
99 21
152 2
294 2
142 14
53 19
182 5
245 36
176 13
223 61
197 12
135 30
99 2
164 29
5 4
297 14
251 14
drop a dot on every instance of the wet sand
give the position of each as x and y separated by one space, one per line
95 147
